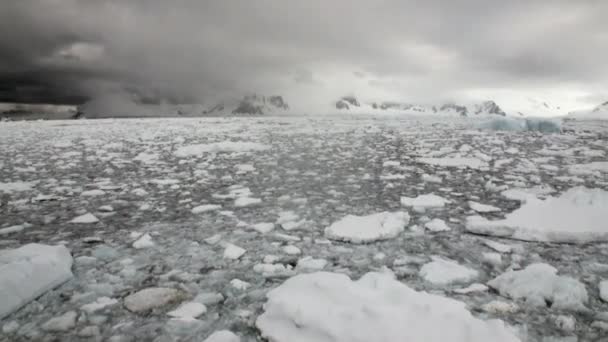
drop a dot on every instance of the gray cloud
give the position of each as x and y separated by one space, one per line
188 50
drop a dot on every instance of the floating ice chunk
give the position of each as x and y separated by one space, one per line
244 168
310 264
497 246
152 297
246 201
224 146
263 227
492 258
500 307
212 240
233 252
437 225
99 304
209 298
239 284
11 187
428 201
223 336
539 284
147 158
86 218
273 270
482 208
370 228
29 271
14 229
205 208
459 162
145 241
391 163
291 250
93 193
576 216
442 271
431 179
329 307
64 322
589 168
603 286
190 310
472 288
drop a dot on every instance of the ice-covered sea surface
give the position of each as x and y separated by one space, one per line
180 228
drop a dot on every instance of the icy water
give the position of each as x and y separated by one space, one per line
197 185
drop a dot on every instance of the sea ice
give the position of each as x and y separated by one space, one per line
222 336
329 307
224 146
86 218
205 208
428 201
576 216
539 284
442 271
233 252
482 208
370 228
437 225
29 271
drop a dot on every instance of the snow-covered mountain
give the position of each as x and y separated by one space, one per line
353 105
248 105
537 108
598 113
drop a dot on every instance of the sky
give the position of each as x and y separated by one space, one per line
311 52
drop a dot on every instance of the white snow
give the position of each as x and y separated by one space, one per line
603 286
222 336
428 201
29 271
224 146
459 162
86 218
482 208
539 283
205 208
189 310
145 241
442 271
576 216
437 225
329 307
233 252
497 246
370 228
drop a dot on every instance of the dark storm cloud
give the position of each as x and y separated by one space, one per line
65 50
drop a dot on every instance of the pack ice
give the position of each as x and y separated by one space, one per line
330 307
29 271
577 216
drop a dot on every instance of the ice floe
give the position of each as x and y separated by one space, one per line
370 228
29 271
443 271
224 146
539 285
577 216
329 307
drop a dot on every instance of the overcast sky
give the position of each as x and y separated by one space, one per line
310 51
